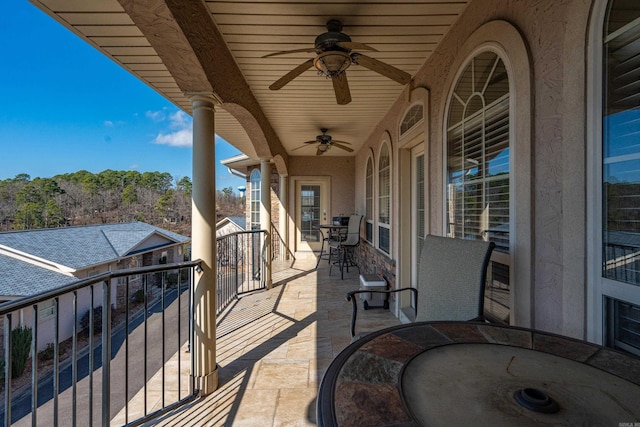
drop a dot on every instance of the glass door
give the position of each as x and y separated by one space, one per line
311 211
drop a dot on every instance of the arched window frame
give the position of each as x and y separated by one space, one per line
606 294
384 198
506 39
478 129
369 197
412 119
255 200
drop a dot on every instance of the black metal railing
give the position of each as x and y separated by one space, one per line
622 262
240 265
85 362
281 255
89 365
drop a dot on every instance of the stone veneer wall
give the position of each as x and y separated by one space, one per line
372 261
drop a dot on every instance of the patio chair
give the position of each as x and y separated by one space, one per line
341 250
451 281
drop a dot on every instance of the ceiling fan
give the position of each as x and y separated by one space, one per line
334 54
325 142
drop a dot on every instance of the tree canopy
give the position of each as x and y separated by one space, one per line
83 198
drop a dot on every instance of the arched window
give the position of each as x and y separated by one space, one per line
478 152
368 201
255 200
478 168
384 199
619 274
412 118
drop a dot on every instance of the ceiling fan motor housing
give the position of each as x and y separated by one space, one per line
328 41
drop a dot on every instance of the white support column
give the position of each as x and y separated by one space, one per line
203 240
265 215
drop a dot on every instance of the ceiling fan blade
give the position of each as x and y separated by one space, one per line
341 88
279 84
285 52
380 67
341 142
319 151
356 46
344 147
302 146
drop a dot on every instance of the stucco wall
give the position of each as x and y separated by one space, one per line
341 171
555 34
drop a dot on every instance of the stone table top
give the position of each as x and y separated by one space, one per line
363 386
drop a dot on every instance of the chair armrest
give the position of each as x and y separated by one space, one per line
350 296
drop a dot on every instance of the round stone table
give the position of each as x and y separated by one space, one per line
463 373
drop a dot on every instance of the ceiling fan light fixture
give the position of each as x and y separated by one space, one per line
332 63
323 147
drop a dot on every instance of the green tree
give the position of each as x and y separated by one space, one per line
52 215
185 186
29 217
129 195
164 203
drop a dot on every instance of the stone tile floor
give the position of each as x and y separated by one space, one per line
273 348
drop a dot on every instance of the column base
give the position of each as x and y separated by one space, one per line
207 384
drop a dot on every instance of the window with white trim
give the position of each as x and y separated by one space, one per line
478 169
621 175
368 202
255 200
384 199
46 309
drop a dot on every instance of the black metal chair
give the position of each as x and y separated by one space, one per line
341 250
451 280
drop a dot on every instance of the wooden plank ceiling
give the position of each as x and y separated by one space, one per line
403 32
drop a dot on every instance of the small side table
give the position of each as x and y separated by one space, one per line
373 282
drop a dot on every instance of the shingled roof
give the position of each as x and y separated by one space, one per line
70 249
85 246
22 279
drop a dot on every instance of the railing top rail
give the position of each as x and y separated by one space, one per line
240 232
25 302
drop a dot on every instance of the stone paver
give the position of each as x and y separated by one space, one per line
273 348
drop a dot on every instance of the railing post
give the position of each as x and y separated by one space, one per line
238 260
106 352
7 376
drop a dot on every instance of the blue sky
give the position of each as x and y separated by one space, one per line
65 107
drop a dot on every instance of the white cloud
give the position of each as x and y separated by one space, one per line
180 132
108 123
134 166
156 116
179 138
180 120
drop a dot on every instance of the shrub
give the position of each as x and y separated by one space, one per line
172 280
184 275
20 349
48 352
2 372
138 297
97 320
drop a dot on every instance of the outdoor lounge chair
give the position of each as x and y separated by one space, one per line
451 280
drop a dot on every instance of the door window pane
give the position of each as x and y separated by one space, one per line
310 205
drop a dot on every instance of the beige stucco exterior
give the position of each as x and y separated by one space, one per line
547 47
